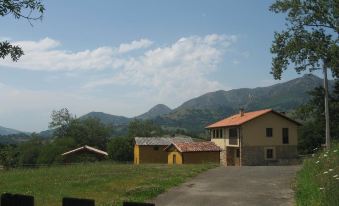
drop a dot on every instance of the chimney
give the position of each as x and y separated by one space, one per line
241 111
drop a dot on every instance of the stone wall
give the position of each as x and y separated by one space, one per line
223 158
255 155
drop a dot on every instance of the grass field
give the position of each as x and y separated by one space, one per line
318 180
107 183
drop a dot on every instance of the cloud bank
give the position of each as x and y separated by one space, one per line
140 72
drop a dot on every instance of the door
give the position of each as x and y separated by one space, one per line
174 159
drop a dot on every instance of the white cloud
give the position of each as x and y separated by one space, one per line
168 74
138 44
43 55
176 71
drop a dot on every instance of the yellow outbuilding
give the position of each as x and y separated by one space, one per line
193 153
151 149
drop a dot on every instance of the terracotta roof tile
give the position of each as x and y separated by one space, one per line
195 146
237 120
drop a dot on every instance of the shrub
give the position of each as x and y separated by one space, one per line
318 180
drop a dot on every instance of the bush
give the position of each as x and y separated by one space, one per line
318 180
121 149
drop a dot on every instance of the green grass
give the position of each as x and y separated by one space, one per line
107 183
318 181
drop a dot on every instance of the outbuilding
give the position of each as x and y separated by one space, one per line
193 153
151 149
85 153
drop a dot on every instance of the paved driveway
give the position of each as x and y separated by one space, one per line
266 185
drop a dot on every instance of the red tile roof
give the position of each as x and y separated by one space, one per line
195 147
237 120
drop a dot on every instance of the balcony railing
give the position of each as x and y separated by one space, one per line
233 141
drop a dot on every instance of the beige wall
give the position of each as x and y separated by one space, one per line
254 132
224 141
201 157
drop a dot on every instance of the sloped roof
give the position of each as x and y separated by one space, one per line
195 146
237 120
160 140
87 148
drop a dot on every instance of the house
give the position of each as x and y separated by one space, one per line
193 153
151 149
85 153
255 138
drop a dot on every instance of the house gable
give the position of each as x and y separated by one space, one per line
254 132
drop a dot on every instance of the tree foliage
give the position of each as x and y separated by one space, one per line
61 121
312 114
27 9
310 41
121 148
144 128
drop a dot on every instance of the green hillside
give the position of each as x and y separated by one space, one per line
194 115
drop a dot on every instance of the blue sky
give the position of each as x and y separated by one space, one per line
123 57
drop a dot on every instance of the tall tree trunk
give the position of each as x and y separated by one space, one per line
327 113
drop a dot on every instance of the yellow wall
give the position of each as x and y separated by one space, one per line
148 154
254 132
136 154
201 157
178 157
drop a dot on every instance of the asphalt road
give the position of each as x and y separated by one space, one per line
264 185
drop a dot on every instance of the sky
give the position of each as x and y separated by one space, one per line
124 57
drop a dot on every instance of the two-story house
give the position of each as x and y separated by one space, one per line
255 138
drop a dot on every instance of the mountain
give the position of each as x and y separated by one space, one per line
197 113
8 131
107 118
157 110
193 115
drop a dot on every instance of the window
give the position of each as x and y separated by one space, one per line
233 133
285 135
269 153
221 133
238 153
214 133
269 132
217 133
233 136
156 148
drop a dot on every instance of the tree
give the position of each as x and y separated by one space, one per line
61 120
8 156
19 9
310 41
120 149
89 131
312 114
145 128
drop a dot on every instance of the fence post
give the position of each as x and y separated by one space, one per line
69 201
16 200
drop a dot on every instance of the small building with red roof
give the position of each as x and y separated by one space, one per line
260 137
193 152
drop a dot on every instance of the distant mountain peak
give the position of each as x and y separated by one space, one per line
9 131
157 110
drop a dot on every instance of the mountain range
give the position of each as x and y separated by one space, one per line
193 115
8 131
